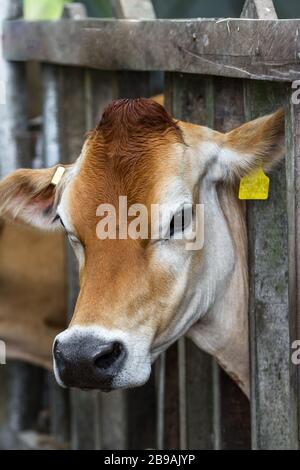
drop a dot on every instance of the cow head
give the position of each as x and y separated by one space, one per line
138 295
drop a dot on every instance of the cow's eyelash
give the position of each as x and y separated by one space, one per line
71 236
58 218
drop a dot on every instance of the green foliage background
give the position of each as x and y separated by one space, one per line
51 9
43 9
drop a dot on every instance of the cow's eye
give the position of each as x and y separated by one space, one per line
72 238
179 222
57 218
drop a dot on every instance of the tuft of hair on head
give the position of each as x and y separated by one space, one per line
136 116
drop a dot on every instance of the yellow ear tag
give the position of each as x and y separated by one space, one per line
255 186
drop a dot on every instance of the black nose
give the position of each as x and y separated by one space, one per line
87 363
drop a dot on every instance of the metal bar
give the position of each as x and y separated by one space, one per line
13 108
205 46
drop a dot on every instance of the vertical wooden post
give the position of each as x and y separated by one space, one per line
273 299
293 205
65 123
97 420
188 98
204 410
134 9
138 404
232 407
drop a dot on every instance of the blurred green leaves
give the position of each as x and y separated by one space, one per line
43 9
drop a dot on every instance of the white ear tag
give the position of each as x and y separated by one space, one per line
58 175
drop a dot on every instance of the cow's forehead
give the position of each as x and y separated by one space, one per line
135 149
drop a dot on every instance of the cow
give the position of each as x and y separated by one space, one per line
33 300
139 295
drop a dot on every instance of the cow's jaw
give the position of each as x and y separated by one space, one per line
208 282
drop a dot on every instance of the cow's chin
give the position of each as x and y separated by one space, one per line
94 358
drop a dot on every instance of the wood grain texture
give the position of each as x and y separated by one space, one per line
272 407
232 47
260 9
293 206
133 9
273 310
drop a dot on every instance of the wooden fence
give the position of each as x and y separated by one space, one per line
218 73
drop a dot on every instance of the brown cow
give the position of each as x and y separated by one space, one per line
32 292
138 295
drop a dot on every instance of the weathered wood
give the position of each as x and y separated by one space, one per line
188 97
65 112
133 9
233 430
207 46
272 407
293 210
171 406
160 383
74 11
199 386
262 9
273 306
217 415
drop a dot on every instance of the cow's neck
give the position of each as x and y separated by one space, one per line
222 328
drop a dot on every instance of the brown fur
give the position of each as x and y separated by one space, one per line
136 149
33 300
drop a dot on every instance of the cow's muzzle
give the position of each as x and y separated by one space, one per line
88 363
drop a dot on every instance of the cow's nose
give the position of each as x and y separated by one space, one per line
87 363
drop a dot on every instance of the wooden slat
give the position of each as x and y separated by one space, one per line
160 382
273 307
65 123
171 395
110 410
133 9
272 407
293 206
261 9
218 414
234 407
140 403
232 47
188 97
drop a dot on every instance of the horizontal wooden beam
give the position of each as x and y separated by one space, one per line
244 48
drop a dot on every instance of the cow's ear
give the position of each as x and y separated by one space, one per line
258 143
31 196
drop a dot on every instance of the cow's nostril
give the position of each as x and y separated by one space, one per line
108 355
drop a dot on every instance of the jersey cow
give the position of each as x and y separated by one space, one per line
139 294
